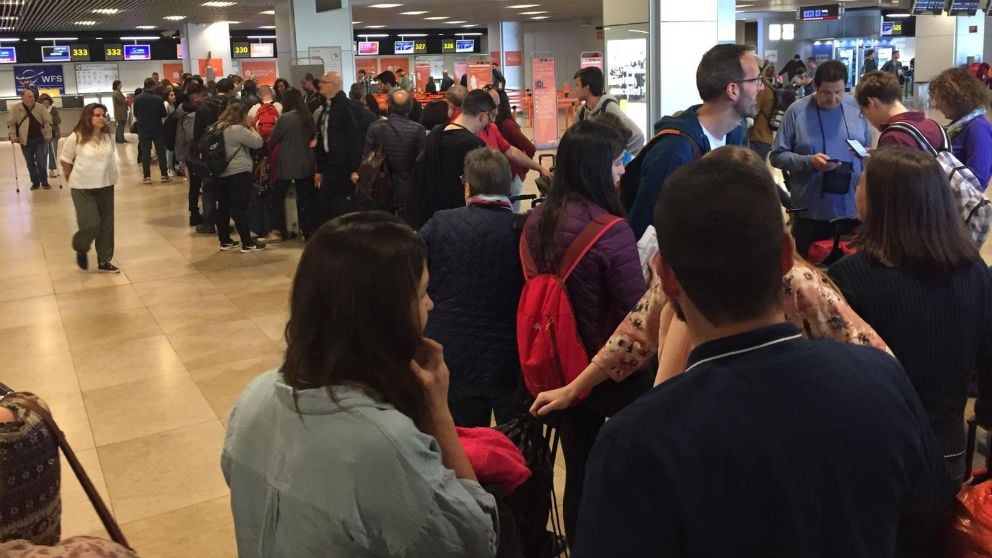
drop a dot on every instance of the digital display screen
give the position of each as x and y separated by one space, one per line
368 48
8 55
79 52
963 7
240 50
447 45
403 47
465 45
263 50
113 52
819 13
928 7
60 53
137 52
420 47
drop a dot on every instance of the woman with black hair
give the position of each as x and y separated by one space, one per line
508 126
293 163
348 448
280 86
919 280
608 281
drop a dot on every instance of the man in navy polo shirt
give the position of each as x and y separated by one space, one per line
769 444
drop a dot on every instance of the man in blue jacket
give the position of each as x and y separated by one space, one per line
149 110
728 80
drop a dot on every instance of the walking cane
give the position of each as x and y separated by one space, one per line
13 159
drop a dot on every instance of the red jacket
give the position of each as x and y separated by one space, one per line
929 128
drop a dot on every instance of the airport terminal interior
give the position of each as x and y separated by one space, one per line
142 368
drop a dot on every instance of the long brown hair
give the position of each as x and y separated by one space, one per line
353 310
911 221
84 128
233 114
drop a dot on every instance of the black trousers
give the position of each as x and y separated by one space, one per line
579 427
808 231
476 405
232 194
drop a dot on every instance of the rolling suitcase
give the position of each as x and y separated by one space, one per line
292 214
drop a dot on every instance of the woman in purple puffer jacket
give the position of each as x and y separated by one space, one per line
963 99
605 285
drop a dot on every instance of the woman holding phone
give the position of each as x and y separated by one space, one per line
349 449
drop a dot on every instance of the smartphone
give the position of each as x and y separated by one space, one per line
858 149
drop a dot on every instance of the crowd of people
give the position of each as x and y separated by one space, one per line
827 403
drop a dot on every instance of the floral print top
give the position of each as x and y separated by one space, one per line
810 301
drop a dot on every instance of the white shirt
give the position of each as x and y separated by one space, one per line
714 142
94 165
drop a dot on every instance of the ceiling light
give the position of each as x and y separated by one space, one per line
375 27
174 18
522 6
85 22
108 11
218 4
230 22
268 12
8 29
373 35
56 39
540 17
534 13
145 38
11 2
355 22
266 26
8 39
422 12
385 6
8 17
261 36
145 27
900 15
639 31
469 34
436 18
471 25
402 35
456 22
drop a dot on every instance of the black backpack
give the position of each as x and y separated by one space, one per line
171 127
208 158
631 180
784 97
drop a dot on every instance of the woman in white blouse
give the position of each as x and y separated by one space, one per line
89 162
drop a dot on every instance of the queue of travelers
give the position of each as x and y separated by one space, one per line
729 385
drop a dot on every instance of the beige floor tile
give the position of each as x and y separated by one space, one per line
203 346
206 529
173 289
164 472
188 311
79 517
142 407
102 300
69 280
25 286
158 268
70 414
274 325
262 301
27 265
36 310
221 385
48 376
104 366
32 340
110 328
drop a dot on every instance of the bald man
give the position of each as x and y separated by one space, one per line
401 140
338 151
455 97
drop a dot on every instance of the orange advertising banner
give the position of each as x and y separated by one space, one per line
370 65
215 65
461 68
394 63
423 74
479 75
262 71
545 103
173 71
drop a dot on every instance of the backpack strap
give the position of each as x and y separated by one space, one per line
917 135
697 151
576 250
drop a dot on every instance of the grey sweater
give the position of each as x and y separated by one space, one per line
238 140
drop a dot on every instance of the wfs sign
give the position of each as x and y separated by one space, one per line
46 77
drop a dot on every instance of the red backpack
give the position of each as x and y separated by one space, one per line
551 352
265 120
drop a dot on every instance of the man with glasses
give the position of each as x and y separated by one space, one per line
812 148
728 80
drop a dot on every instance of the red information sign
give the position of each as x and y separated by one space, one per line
545 102
591 60
423 72
480 74
514 58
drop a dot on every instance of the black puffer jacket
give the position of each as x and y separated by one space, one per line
402 140
475 283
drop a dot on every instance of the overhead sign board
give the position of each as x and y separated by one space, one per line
928 7
79 52
824 12
240 50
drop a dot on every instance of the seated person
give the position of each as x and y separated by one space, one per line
769 444
348 449
472 256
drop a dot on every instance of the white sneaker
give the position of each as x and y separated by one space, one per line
172 172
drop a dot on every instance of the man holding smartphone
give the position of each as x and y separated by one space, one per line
878 95
811 146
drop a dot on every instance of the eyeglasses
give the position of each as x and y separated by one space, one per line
752 80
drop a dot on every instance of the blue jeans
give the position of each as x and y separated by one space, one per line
120 124
34 155
53 153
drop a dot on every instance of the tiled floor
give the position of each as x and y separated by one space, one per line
140 369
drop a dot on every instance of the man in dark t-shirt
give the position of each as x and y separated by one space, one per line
437 181
768 444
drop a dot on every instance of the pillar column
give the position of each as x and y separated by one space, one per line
201 40
300 26
512 53
943 42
